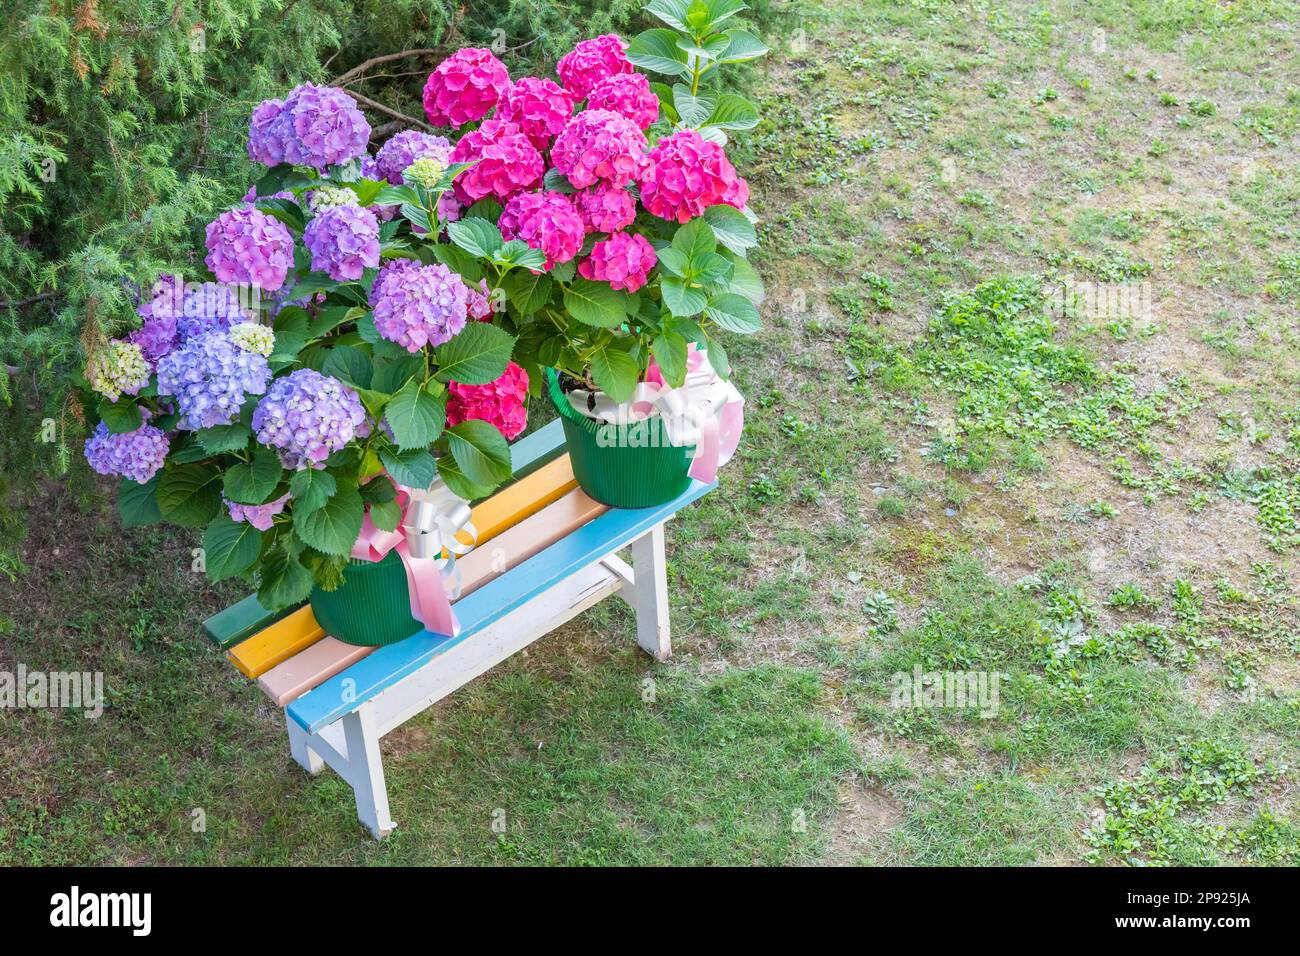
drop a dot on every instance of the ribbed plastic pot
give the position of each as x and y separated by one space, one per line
624 466
371 608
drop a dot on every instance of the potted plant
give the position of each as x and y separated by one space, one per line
644 228
325 400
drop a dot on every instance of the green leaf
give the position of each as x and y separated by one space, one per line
392 373
665 94
333 527
516 252
734 312
669 350
286 210
732 228
745 281
311 488
458 484
555 182
478 354
480 452
284 581
718 359
616 373
137 504
377 491
733 112
657 50
220 439
671 12
459 261
190 495
675 262
386 515
743 46
230 547
415 467
122 416
528 291
287 346
695 239
682 300
595 303
349 364
707 14
367 190
415 416
693 110
253 482
478 237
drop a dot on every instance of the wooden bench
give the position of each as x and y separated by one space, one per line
545 552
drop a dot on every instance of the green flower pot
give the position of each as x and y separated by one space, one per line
372 606
624 466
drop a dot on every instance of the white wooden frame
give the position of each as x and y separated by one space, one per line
350 745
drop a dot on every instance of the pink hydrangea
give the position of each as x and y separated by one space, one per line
627 94
605 208
624 260
686 175
505 162
260 517
546 221
540 107
591 61
500 403
464 87
599 145
248 246
479 302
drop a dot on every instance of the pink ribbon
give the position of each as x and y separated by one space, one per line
429 603
720 433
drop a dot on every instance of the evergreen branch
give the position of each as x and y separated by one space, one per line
376 60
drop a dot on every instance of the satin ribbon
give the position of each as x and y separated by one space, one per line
706 411
432 519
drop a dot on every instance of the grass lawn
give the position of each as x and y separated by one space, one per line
959 456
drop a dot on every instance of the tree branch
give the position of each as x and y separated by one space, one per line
409 120
375 61
19 303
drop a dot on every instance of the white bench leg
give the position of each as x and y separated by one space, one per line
308 758
651 602
366 770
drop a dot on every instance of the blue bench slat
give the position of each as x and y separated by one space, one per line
245 618
326 703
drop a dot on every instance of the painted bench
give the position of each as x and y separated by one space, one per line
545 552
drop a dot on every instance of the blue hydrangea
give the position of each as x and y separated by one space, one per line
211 377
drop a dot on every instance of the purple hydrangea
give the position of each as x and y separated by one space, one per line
248 246
405 148
211 377
156 337
266 133
308 416
259 516
322 127
135 455
416 305
166 298
344 242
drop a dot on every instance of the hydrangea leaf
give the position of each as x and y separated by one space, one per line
311 488
190 495
230 547
333 527
253 482
615 372
137 504
284 581
480 451
415 467
415 416
478 354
